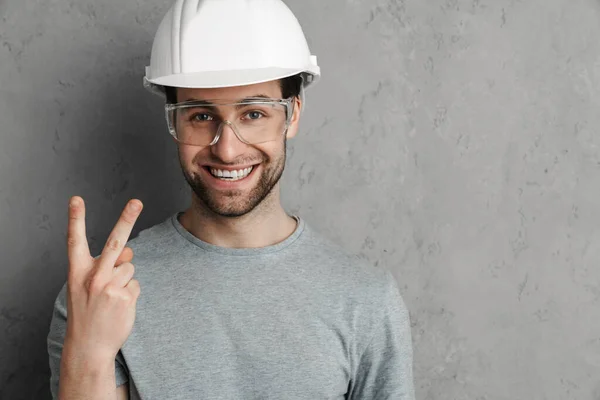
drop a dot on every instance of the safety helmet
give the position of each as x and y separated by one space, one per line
223 43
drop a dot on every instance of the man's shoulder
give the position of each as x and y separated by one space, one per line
365 288
342 265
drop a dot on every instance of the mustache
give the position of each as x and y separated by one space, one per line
203 159
237 161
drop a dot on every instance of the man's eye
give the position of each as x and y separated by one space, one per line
254 115
200 117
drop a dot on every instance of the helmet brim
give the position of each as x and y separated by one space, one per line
222 79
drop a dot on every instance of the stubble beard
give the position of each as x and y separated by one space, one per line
236 203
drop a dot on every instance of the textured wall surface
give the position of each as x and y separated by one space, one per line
454 142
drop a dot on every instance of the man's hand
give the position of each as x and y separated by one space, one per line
101 292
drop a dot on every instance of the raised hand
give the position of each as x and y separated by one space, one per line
101 292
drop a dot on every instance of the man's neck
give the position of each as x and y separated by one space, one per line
266 225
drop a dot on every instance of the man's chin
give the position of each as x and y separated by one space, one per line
230 204
228 209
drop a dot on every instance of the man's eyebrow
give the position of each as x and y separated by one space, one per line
199 101
248 99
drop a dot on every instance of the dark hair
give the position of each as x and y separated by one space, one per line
171 94
290 87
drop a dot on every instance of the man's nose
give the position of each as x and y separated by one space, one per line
228 146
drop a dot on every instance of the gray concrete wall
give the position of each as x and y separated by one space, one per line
454 142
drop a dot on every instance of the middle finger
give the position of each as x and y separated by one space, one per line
119 236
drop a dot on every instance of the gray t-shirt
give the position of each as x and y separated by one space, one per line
297 320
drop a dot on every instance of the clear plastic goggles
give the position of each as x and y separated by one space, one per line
253 120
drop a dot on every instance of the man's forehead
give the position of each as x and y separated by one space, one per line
266 89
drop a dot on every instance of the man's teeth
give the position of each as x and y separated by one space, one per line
231 175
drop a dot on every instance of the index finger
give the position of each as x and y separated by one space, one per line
119 235
78 250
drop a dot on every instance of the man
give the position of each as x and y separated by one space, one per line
239 299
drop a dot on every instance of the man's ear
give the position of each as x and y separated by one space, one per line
295 121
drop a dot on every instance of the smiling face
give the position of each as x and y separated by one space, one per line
232 178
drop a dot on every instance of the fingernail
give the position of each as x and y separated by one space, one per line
135 206
74 202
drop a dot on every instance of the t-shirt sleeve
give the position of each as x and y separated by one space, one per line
56 338
385 369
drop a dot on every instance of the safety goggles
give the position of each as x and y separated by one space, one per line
253 120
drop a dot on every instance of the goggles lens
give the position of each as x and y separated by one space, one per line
201 123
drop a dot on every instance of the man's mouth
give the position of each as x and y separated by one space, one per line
230 175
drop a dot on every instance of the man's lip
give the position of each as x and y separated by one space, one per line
236 168
220 184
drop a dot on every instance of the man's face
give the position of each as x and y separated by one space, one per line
233 198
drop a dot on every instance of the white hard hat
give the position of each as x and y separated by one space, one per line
222 43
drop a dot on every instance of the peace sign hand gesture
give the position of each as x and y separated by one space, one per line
101 292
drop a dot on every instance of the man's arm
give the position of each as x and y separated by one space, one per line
385 369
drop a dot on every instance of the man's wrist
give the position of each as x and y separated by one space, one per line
82 359
86 374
